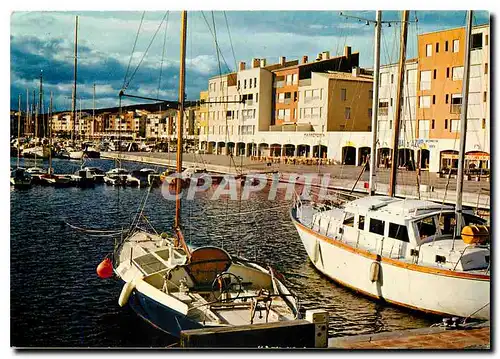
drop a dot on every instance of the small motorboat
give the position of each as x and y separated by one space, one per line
97 173
20 178
116 177
36 174
83 178
141 178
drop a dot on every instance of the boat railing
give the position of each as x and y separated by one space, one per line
462 254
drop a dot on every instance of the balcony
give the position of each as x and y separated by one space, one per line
288 101
279 84
306 82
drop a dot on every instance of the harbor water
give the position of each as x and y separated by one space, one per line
57 300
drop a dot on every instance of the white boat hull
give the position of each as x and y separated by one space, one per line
76 155
435 291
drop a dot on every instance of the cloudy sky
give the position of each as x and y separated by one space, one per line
45 41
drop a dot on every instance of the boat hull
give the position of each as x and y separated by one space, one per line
440 292
159 315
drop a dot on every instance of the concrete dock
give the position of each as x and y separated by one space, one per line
440 338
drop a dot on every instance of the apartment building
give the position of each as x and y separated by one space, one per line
408 136
441 71
287 80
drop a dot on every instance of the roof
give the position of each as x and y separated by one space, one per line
313 62
454 28
346 76
395 208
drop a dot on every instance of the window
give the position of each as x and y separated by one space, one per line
250 84
288 79
343 94
425 102
423 129
435 74
485 40
425 80
377 226
447 72
349 219
287 114
383 108
256 97
433 99
428 50
437 47
361 222
347 113
281 113
295 96
245 84
446 45
445 124
456 45
391 101
455 125
392 78
486 68
281 97
295 78
399 232
485 96
426 227
390 125
477 41
483 124
446 101
457 73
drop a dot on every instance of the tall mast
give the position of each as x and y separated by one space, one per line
180 119
73 106
36 117
93 110
40 102
27 117
50 133
18 131
376 79
463 124
33 111
399 102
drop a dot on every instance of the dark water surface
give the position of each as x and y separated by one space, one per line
57 300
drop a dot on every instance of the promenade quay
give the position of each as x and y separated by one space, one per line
432 187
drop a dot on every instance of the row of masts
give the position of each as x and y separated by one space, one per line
399 105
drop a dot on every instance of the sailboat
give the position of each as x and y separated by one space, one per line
73 153
50 178
175 287
19 178
411 253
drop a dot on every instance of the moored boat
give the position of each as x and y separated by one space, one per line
20 178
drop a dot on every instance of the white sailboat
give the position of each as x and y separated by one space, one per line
175 287
19 178
412 253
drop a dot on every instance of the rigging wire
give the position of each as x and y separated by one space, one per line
230 41
162 56
217 46
145 52
133 49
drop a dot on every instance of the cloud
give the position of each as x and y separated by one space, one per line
45 41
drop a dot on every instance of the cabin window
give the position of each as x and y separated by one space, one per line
440 259
349 219
361 222
426 227
377 226
447 223
399 232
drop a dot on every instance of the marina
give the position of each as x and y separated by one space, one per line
136 231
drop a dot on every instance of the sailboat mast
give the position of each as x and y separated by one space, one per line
18 131
376 79
28 117
399 102
463 124
40 101
93 110
180 119
36 118
50 133
73 100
